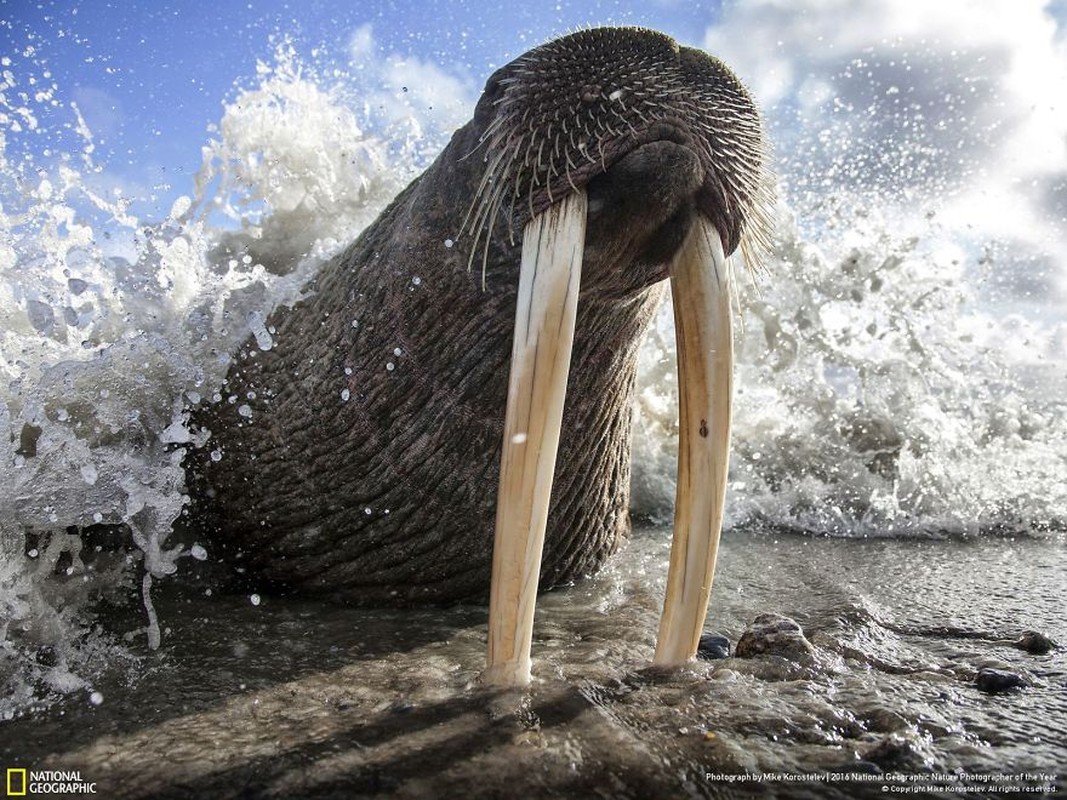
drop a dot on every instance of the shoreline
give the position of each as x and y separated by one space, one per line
297 698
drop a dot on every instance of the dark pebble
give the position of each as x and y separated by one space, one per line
713 646
998 680
1035 643
893 753
773 634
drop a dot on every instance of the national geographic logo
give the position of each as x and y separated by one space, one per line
22 782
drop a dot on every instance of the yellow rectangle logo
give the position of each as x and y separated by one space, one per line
16 777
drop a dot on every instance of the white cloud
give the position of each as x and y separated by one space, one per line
951 106
403 88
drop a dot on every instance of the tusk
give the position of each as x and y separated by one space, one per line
700 288
540 362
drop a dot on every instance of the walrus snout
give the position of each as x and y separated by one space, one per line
570 111
641 210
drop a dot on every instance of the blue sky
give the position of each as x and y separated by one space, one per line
955 108
150 77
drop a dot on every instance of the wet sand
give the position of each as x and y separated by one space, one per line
295 699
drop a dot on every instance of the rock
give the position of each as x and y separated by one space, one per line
773 634
883 720
1034 643
725 674
713 646
998 680
893 753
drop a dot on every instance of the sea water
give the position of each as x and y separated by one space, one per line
880 392
283 697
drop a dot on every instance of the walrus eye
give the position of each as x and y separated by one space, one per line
549 278
492 94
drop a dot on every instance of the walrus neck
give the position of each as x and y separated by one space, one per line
398 360
591 488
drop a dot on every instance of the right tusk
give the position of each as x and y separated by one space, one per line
700 288
549 277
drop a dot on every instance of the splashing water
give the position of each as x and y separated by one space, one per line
875 396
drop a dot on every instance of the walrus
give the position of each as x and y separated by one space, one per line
447 410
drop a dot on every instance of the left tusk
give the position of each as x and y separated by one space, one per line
700 288
549 277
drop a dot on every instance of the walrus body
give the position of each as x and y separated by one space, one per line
358 457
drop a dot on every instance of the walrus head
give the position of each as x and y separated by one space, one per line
357 457
615 105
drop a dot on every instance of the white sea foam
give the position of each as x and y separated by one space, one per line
876 396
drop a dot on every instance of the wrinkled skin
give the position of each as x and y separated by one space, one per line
387 493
